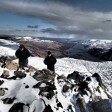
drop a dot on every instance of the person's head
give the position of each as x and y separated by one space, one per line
49 53
21 47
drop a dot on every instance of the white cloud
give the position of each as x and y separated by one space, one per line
68 20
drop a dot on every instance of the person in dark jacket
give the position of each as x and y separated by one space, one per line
22 54
50 61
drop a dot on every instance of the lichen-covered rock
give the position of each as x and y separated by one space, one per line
2 92
44 75
31 69
11 65
5 74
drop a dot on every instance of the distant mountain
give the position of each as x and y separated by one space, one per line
94 50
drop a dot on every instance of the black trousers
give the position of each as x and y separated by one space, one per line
51 67
23 63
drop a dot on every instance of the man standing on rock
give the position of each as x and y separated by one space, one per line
50 61
22 54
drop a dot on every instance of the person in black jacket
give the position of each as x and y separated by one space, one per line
22 54
50 61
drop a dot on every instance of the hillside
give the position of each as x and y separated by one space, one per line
74 87
93 50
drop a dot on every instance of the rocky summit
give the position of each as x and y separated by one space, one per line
46 91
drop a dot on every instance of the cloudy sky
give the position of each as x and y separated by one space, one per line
80 19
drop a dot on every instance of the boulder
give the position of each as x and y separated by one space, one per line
11 65
19 74
82 105
59 104
70 108
5 74
65 88
98 78
76 77
102 106
2 92
8 63
8 100
3 59
17 107
31 69
44 75
48 109
47 90
1 82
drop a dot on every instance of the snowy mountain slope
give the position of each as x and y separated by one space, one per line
79 49
32 39
66 65
24 92
7 47
39 47
95 43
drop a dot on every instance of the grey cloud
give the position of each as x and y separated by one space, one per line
67 19
48 30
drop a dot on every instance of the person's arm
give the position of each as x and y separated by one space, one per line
45 61
17 54
29 53
55 60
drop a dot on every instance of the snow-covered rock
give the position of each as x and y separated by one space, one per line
57 94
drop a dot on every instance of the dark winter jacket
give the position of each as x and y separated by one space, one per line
22 55
50 60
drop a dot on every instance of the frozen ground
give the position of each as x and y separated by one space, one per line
68 65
